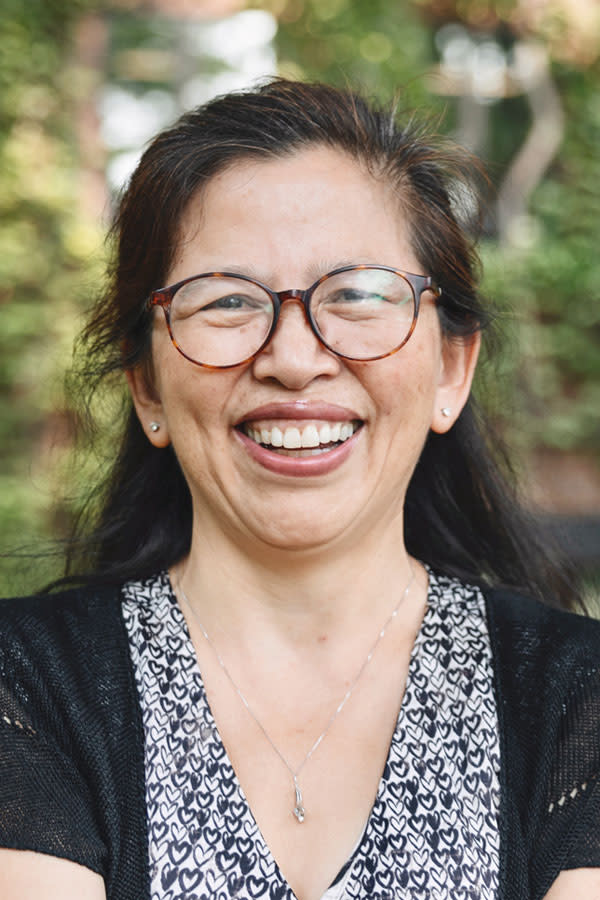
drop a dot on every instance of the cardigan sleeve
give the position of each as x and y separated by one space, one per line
573 812
547 673
71 736
45 804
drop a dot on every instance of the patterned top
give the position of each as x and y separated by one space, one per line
433 830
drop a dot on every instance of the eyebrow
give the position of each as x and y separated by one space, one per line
314 272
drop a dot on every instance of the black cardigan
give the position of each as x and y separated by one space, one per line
72 747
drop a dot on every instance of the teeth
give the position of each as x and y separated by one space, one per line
310 438
292 439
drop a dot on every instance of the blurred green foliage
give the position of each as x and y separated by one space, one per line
377 46
51 257
552 285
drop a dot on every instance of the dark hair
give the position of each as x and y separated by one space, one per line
461 514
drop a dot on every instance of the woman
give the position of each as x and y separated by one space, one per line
305 510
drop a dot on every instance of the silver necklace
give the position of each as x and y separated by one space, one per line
299 811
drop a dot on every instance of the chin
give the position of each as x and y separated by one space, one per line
297 536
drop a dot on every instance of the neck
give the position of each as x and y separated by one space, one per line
300 594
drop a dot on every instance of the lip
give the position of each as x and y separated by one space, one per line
301 410
298 466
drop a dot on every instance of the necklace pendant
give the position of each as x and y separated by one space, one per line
299 813
298 810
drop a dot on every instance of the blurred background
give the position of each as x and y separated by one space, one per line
84 85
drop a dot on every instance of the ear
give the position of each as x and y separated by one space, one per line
459 359
148 406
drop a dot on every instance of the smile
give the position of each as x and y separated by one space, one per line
310 440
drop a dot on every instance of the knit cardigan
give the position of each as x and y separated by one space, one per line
72 744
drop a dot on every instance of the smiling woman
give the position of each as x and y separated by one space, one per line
308 654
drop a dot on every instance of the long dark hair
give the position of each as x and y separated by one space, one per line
462 514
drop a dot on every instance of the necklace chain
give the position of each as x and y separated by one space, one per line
299 810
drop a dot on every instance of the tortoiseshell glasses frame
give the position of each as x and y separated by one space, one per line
419 284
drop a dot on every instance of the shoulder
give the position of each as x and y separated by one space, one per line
55 649
66 677
527 634
49 606
546 661
46 624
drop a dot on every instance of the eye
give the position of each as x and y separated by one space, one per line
234 302
355 295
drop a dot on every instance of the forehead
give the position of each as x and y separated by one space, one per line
317 202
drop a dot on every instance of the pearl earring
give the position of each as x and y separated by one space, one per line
154 426
446 411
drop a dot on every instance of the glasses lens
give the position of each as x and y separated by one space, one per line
364 313
220 320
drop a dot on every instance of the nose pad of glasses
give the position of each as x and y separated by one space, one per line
293 294
299 297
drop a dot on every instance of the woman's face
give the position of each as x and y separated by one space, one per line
286 222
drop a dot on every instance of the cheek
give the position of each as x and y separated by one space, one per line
404 388
193 399
184 389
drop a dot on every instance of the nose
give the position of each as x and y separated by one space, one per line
294 356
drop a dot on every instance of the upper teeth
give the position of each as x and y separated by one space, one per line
292 438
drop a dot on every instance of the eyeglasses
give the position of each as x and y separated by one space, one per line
365 312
